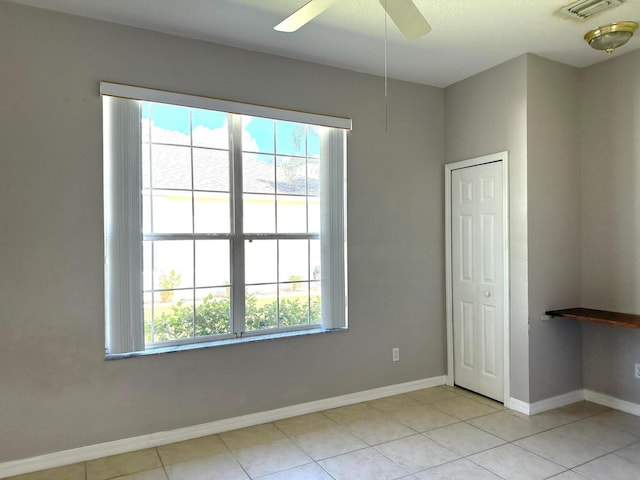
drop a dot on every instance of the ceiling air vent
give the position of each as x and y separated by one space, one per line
585 8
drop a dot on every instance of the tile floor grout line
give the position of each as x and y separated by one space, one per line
240 465
225 443
537 455
425 469
512 442
164 468
486 468
463 457
601 456
526 436
578 440
472 426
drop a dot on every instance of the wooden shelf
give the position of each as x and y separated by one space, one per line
616 319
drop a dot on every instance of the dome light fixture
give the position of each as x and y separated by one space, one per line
611 36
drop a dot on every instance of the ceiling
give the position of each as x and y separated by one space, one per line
468 36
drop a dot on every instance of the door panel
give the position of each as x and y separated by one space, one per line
468 357
488 235
488 340
466 244
477 248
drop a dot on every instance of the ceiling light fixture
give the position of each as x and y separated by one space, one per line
609 37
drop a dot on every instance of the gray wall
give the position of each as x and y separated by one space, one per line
56 390
530 106
487 113
553 213
610 138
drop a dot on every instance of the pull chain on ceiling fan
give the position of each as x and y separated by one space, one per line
404 14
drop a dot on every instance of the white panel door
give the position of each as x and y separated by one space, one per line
477 271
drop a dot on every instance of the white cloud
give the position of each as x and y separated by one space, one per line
202 136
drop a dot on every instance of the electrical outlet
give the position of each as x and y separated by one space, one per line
637 370
395 356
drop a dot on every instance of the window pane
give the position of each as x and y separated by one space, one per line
170 124
146 211
211 170
259 213
314 259
292 175
313 176
173 315
315 296
261 307
313 141
292 214
212 263
213 311
261 261
313 206
294 260
258 135
172 212
258 173
172 264
210 129
294 304
170 166
147 309
145 110
291 138
147 266
146 165
211 212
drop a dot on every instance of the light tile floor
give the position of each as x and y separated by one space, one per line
436 433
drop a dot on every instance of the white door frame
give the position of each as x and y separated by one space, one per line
502 157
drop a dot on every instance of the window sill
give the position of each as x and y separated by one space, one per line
221 343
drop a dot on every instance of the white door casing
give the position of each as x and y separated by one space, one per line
477 275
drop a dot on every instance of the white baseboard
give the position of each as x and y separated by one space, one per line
572 397
518 405
612 402
546 404
91 452
556 402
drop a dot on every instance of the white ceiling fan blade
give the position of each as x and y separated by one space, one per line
407 18
303 15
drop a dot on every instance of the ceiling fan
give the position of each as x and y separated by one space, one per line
404 14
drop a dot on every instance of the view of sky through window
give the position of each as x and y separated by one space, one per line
176 118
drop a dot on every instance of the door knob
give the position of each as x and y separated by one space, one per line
487 294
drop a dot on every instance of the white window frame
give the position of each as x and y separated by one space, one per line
123 217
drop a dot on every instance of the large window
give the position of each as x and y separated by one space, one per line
222 220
